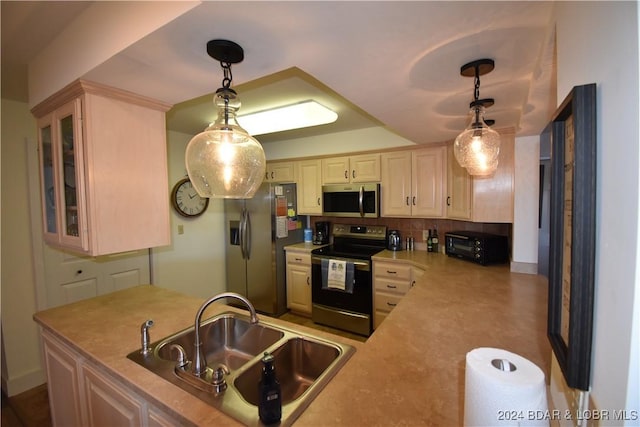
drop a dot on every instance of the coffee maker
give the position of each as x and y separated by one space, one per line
321 236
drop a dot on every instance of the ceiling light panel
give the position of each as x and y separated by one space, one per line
295 116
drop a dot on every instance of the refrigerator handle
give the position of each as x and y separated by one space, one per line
241 231
247 241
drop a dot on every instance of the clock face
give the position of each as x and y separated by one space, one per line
186 201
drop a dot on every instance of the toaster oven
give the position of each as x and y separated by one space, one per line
481 248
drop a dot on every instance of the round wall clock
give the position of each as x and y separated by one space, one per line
186 201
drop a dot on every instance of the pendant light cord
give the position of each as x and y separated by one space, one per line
476 94
226 84
228 77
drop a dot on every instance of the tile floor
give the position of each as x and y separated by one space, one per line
31 408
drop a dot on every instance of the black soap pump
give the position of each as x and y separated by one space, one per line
270 408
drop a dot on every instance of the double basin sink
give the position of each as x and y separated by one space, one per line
304 364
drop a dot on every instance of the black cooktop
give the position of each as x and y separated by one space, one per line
354 241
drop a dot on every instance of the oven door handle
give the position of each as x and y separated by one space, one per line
361 201
358 264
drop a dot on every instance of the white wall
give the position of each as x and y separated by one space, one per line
194 263
19 331
597 42
524 256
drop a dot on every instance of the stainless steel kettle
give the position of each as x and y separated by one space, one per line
394 241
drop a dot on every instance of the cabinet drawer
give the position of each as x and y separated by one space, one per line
392 270
298 258
392 285
386 302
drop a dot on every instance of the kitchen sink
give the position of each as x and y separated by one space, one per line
304 364
226 339
299 363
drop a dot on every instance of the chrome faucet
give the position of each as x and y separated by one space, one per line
199 364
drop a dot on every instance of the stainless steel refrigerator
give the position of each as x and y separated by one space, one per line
256 232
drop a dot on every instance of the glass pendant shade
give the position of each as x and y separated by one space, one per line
225 161
478 146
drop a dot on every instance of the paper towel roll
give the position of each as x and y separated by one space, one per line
503 389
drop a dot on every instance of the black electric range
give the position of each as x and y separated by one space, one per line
351 308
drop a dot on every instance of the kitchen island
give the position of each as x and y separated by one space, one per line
409 372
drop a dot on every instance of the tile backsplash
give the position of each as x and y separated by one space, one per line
412 227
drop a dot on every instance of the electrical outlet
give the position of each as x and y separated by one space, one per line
425 235
180 229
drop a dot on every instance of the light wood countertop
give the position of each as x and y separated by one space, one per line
409 372
302 247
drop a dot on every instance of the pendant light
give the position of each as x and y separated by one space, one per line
478 146
225 161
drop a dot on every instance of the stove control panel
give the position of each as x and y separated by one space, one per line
360 231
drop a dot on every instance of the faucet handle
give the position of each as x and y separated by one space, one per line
217 379
182 355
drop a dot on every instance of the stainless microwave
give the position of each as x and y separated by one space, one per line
351 200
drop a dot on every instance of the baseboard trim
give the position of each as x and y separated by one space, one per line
524 267
24 382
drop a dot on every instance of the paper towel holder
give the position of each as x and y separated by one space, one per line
503 365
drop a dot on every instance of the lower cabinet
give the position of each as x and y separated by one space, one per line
80 394
63 383
299 282
391 281
109 404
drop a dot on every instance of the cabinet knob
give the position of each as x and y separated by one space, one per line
391 272
346 174
413 200
391 286
79 272
318 201
448 200
308 281
353 174
407 200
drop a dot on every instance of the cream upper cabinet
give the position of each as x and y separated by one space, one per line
103 170
413 183
282 172
429 172
458 189
62 179
360 168
395 187
492 197
309 187
483 199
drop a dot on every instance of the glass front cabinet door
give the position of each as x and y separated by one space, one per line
62 177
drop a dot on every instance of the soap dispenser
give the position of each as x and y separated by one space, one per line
270 407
